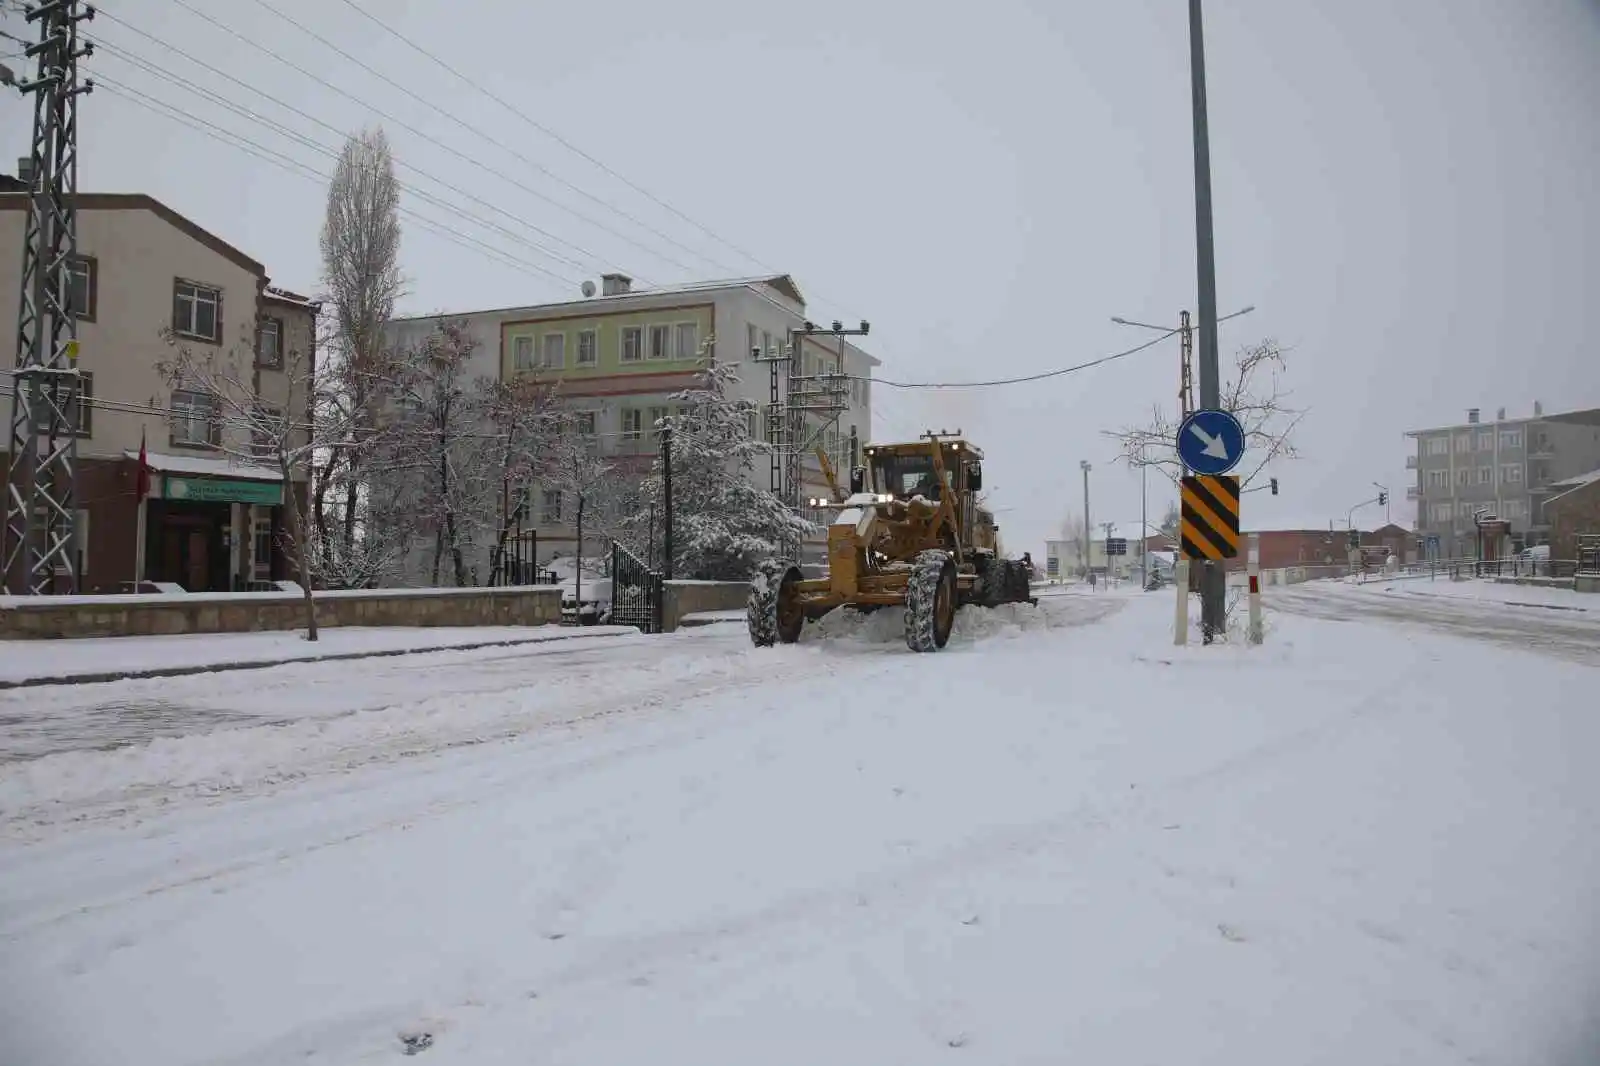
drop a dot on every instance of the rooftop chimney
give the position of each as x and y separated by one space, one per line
615 284
1500 416
25 170
1538 409
1472 415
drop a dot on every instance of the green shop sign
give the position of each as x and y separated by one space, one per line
205 490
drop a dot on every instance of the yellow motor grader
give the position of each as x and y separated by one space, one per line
908 534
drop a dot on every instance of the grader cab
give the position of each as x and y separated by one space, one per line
908 534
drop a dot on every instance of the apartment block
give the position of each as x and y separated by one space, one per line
619 353
1507 467
214 520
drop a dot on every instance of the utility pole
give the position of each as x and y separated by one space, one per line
1144 515
40 533
666 502
1213 590
823 395
1088 539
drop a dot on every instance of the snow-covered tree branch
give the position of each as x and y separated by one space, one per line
723 525
221 387
1254 392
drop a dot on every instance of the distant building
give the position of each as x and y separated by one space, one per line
1507 468
1573 510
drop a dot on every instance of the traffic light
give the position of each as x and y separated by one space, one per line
1383 498
1274 483
1355 538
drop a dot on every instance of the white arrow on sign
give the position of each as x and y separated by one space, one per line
1213 445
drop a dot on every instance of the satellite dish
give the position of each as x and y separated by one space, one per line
588 288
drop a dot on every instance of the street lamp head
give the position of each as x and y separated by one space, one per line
1120 320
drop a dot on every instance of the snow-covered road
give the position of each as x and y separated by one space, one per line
1055 842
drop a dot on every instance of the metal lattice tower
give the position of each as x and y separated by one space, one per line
39 543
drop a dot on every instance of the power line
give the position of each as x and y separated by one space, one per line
387 117
294 166
408 42
334 153
1025 378
384 115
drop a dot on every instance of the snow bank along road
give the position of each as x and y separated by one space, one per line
1052 843
1557 623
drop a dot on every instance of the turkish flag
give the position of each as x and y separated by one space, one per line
141 486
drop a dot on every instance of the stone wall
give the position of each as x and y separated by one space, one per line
691 597
48 617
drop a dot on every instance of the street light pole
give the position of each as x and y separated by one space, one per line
1213 590
1144 514
1088 540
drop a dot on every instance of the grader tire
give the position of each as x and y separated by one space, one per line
996 582
930 601
772 610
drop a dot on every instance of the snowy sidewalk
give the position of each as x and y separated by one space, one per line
29 663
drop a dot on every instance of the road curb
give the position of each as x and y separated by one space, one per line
343 656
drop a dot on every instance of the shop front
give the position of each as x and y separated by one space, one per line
214 534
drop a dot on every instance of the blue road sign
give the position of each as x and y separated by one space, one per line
1210 442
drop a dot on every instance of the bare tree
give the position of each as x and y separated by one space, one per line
520 419
426 456
246 426
574 468
361 272
1253 392
1072 539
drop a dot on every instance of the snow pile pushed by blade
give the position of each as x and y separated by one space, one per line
887 625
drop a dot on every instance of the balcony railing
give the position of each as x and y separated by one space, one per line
1411 462
1413 492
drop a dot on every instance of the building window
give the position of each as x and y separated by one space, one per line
752 340
1464 476
1511 438
660 342
197 311
1486 440
261 548
1443 512
79 411
584 421
1511 474
632 419
194 420
269 344
655 418
80 531
632 344
1438 445
686 341
553 351
1486 475
1463 442
83 288
522 354
588 347
1438 479
550 507
1516 509
265 431
766 343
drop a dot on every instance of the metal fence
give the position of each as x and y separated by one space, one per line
516 561
638 593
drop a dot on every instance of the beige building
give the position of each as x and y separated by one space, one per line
619 354
214 518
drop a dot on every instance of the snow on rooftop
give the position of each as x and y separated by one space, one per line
221 466
1576 482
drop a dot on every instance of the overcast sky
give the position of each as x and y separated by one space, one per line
1406 191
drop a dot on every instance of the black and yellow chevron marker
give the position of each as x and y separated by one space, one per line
1209 525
